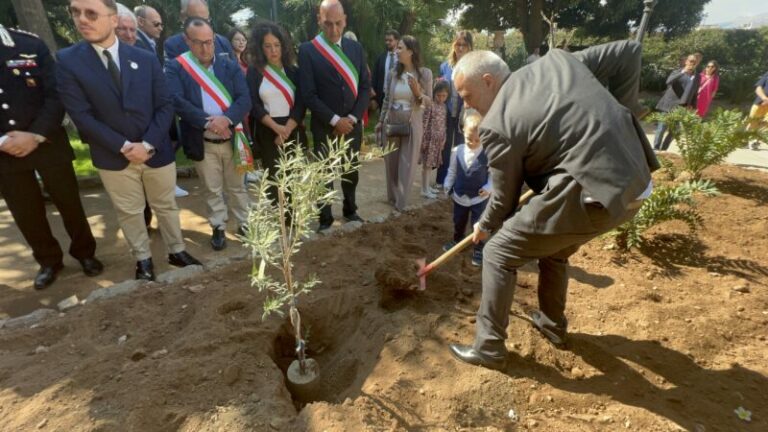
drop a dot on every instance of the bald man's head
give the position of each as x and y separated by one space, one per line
195 8
332 20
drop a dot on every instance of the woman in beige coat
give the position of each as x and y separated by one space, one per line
409 91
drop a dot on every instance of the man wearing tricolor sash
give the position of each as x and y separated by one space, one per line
336 88
211 98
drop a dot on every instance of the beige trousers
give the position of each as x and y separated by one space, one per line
127 187
219 175
401 164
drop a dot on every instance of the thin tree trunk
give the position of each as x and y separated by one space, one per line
407 23
33 18
529 15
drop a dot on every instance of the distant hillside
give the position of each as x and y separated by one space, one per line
760 20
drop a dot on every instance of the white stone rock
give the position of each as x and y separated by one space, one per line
68 303
180 274
115 290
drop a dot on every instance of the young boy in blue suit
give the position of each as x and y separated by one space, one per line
468 184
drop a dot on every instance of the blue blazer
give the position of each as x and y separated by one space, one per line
106 117
325 92
188 102
175 46
143 41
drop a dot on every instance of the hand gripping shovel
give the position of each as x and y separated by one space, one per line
425 269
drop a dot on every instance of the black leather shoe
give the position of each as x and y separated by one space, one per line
182 259
323 226
47 275
467 354
145 270
554 333
91 266
218 239
354 217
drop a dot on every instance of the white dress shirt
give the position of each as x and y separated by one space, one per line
113 51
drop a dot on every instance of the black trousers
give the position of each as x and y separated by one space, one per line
320 135
25 201
269 152
462 215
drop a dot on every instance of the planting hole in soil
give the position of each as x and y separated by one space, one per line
339 340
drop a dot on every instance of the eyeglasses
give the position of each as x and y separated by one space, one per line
157 24
89 14
204 43
711 66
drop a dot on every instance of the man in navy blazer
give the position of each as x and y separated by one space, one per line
117 97
336 109
177 45
384 64
206 127
150 27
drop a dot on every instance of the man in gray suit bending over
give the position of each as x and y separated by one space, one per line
564 125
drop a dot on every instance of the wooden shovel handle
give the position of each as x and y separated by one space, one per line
464 243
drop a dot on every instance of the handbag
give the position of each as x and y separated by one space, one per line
398 123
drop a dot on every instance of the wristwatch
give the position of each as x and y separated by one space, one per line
149 148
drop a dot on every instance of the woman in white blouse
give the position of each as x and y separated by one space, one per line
278 109
409 91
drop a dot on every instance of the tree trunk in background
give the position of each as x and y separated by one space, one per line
529 14
409 20
32 18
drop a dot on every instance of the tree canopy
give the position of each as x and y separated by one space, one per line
609 18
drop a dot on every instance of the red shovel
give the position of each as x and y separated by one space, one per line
425 269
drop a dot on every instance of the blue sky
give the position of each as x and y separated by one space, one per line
719 11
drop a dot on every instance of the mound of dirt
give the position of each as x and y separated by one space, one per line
668 337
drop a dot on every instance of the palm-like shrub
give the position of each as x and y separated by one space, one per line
706 143
665 203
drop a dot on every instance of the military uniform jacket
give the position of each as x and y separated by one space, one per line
29 102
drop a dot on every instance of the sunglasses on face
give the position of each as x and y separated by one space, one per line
89 14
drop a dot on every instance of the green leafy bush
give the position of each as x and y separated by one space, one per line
666 203
706 143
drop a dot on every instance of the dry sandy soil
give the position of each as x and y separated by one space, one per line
668 337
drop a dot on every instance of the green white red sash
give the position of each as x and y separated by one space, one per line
216 90
279 79
338 60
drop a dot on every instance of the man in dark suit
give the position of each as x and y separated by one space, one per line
209 129
336 89
176 45
682 91
118 98
384 64
554 126
32 139
150 27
